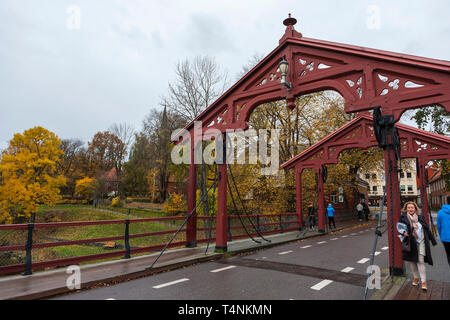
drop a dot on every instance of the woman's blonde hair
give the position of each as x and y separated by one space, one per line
413 203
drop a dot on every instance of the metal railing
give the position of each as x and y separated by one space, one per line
25 248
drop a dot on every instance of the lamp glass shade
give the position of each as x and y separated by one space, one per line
284 66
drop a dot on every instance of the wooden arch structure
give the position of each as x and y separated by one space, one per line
422 145
366 78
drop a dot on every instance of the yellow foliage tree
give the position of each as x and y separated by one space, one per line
175 204
28 174
85 188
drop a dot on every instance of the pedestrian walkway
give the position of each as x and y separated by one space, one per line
49 283
400 288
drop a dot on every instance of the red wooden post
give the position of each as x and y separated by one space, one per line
393 209
321 200
222 223
298 189
191 228
423 190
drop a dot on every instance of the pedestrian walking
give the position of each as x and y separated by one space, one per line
419 237
331 211
360 209
366 211
311 216
443 226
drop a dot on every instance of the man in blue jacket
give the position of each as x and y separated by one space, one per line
330 211
443 225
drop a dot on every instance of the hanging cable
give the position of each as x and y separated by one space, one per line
377 234
212 210
239 216
243 206
191 214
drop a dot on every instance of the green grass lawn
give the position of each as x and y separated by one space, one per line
71 213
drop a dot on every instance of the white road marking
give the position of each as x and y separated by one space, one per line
334 239
353 234
110 299
170 283
321 285
348 269
344 236
286 252
364 260
306 247
223 269
377 253
322 242
385 248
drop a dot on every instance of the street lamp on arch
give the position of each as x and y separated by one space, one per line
284 67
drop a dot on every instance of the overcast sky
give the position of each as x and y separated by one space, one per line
76 67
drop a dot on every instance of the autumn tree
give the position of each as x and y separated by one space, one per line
106 152
199 82
74 164
28 174
86 188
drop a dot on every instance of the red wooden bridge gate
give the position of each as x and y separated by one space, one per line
365 78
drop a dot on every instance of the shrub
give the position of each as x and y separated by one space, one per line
175 204
116 203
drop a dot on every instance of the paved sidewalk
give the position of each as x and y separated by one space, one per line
48 283
400 288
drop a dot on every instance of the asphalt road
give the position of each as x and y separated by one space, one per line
331 267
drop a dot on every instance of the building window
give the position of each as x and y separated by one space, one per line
409 175
383 176
402 175
410 188
333 197
375 189
367 176
402 188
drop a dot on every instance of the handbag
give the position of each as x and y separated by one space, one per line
406 245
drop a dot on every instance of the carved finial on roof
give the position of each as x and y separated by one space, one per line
290 21
290 31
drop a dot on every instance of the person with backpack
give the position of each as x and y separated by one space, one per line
443 226
311 216
331 211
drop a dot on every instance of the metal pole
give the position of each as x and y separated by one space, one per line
127 239
28 248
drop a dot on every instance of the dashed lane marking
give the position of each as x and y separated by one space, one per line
348 269
321 285
344 236
385 248
306 247
377 253
334 239
322 242
364 260
286 252
170 283
223 269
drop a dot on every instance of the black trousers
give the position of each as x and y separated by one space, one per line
360 215
447 250
331 219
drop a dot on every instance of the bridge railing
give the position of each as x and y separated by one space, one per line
25 248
